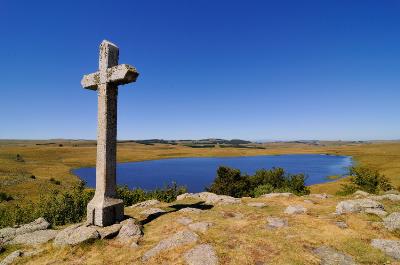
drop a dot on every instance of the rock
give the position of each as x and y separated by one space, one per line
341 224
184 220
8 233
210 198
76 234
200 226
12 257
151 211
145 204
256 204
377 212
361 193
390 197
329 256
276 222
392 192
392 221
179 239
321 196
203 254
358 205
190 210
273 195
130 232
108 232
295 209
33 238
390 247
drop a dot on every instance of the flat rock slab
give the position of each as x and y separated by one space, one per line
295 209
33 238
276 194
321 196
76 234
11 258
8 233
358 205
130 232
392 221
203 254
330 256
390 247
151 211
190 210
276 222
200 226
108 232
210 198
184 220
361 193
378 212
257 204
145 204
179 239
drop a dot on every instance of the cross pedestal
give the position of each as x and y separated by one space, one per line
105 209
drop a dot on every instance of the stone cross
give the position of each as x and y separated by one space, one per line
105 209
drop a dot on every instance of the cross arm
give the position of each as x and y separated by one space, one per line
120 75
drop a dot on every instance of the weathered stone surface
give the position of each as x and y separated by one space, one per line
358 205
203 254
210 198
33 238
392 192
378 212
390 197
390 247
108 232
76 234
361 193
190 210
151 211
392 221
8 233
276 222
321 196
295 209
330 256
341 224
176 240
184 220
130 232
257 204
145 204
12 257
275 194
200 226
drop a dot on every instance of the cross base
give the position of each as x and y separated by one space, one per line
105 211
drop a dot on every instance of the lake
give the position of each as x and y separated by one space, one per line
196 173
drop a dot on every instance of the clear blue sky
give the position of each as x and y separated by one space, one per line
230 69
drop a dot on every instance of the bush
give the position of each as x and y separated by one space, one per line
54 181
230 182
5 197
365 179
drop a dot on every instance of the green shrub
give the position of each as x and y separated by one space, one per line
230 182
5 197
263 189
366 179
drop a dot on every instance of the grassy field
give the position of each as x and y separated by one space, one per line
52 161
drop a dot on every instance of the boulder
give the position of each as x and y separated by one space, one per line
210 198
76 234
8 233
358 205
179 239
276 194
256 204
321 196
378 212
151 211
184 220
108 232
200 226
145 204
203 254
390 247
276 222
190 210
330 256
130 232
33 238
11 258
392 221
295 209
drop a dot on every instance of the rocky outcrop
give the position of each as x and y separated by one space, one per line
361 193
200 226
151 211
390 247
34 238
390 197
295 209
8 233
145 204
203 254
190 210
256 204
392 221
275 194
184 220
179 239
321 196
130 232
210 198
330 256
76 234
276 222
358 205
11 257
108 231
378 212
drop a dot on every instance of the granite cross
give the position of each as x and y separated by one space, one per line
105 209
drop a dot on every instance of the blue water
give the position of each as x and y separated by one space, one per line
197 173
